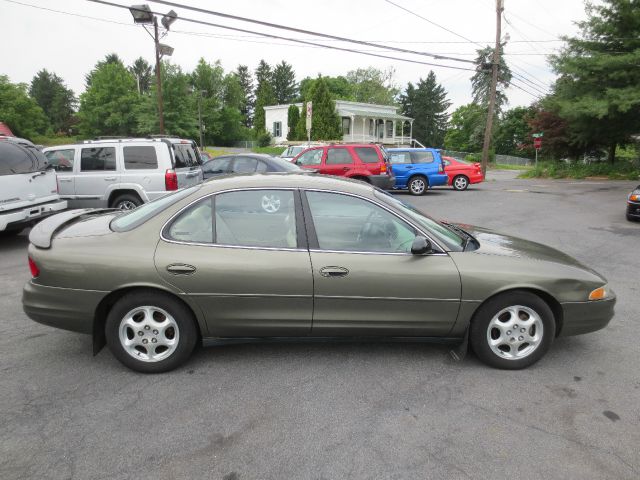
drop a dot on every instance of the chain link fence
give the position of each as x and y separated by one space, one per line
477 157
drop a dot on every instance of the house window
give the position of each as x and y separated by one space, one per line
389 129
371 127
346 126
277 129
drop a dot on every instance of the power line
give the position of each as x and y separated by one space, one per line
269 35
306 32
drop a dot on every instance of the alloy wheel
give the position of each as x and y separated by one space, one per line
515 332
460 183
417 186
149 334
126 205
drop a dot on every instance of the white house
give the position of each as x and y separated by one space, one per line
361 122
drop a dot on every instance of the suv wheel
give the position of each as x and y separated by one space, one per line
418 185
126 202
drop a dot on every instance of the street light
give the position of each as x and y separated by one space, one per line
142 14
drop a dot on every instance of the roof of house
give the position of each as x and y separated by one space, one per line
5 130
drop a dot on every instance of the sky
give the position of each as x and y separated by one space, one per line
70 43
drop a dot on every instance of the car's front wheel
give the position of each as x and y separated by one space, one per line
512 330
418 185
460 183
150 332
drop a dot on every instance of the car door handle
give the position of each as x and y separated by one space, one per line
334 272
64 179
181 269
109 179
345 168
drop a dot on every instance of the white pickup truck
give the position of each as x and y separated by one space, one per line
28 188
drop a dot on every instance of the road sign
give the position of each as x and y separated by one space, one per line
538 135
537 143
309 114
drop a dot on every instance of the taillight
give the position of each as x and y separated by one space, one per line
170 180
35 271
383 168
440 168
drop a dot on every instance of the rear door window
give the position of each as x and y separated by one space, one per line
61 160
245 165
218 166
367 154
338 156
140 158
422 157
98 159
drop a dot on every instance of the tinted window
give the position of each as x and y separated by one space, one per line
140 158
195 224
61 160
422 157
185 155
346 223
281 165
245 165
310 157
256 218
338 156
98 159
20 158
400 157
367 154
262 167
218 165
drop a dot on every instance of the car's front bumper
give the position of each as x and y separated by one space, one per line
65 308
29 215
585 317
633 209
385 182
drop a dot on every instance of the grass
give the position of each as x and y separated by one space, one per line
621 170
504 166
275 151
217 152
55 141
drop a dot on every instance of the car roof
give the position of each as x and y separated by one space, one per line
407 149
286 180
259 156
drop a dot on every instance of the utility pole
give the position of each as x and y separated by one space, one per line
495 64
200 92
156 41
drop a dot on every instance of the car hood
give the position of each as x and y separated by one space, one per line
493 243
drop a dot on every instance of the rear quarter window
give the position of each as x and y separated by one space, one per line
367 154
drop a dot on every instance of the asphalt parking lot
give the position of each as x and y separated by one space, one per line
336 411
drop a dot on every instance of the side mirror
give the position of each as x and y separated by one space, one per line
421 246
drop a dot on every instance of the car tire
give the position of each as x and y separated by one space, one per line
631 218
512 330
460 183
418 185
150 332
126 201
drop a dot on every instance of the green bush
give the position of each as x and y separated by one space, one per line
622 170
275 151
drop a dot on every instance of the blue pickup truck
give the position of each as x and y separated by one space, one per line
417 169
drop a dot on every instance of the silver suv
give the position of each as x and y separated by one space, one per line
124 172
28 190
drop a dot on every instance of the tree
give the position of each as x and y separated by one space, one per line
109 104
293 117
428 105
513 133
56 100
466 129
556 131
265 95
110 58
284 83
143 73
598 91
481 80
371 85
246 82
339 88
326 124
19 111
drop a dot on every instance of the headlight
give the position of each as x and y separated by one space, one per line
599 293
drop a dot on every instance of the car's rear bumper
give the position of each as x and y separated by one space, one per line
65 308
473 177
633 209
28 215
585 317
437 179
385 182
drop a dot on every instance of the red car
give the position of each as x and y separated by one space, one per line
367 162
462 173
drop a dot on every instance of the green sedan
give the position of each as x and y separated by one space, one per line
294 256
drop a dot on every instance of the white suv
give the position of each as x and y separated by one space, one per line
124 172
28 190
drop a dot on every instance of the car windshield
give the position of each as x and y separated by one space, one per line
135 218
450 239
293 151
285 165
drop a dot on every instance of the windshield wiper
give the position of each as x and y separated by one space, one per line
467 236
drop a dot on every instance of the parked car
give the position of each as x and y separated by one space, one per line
461 173
292 151
633 205
417 169
204 157
366 162
264 257
124 173
247 163
28 189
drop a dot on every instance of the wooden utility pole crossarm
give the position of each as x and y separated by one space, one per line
495 64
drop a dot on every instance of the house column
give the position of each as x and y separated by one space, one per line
394 132
410 132
353 125
364 120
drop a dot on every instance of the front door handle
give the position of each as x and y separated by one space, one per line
64 179
334 272
181 269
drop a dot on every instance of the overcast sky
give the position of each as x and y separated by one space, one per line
70 45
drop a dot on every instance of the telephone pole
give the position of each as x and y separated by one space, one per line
495 64
156 41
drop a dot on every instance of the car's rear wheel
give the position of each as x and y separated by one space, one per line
150 332
512 330
126 201
460 182
418 185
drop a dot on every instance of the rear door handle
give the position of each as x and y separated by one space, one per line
181 269
109 179
334 272
64 179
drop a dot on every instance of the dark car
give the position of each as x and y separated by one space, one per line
247 163
633 205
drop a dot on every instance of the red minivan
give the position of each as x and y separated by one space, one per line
367 162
